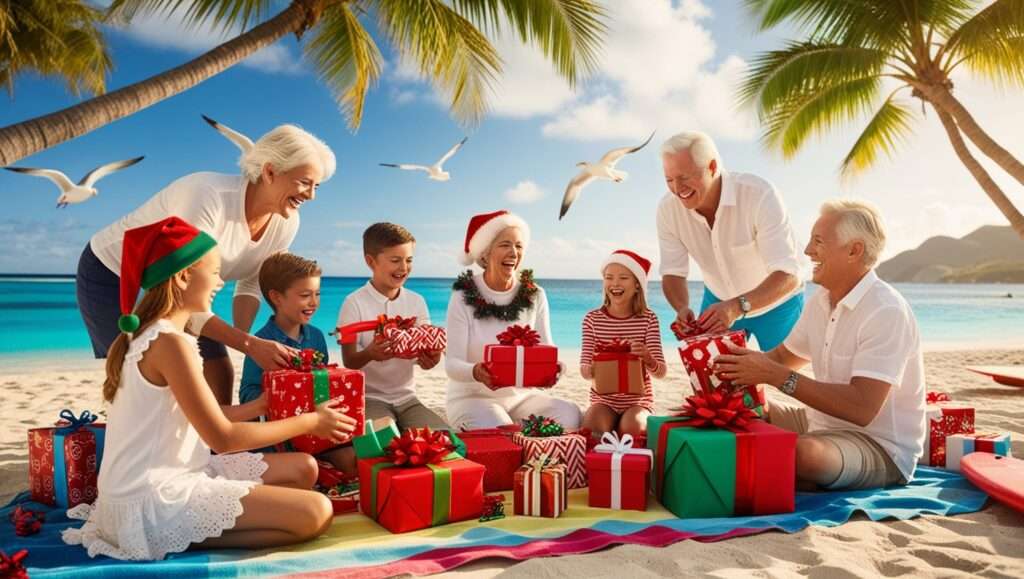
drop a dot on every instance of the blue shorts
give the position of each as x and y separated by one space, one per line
771 327
98 291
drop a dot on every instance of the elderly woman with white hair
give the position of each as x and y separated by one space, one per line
252 216
483 305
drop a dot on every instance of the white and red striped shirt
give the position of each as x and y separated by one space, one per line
600 326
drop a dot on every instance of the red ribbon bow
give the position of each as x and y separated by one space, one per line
308 359
11 565
616 346
934 397
517 335
397 322
419 447
682 332
26 522
718 408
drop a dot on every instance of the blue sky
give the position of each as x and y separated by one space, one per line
667 66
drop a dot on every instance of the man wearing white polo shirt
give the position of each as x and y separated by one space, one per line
863 425
735 228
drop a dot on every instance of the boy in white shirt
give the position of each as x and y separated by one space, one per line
390 381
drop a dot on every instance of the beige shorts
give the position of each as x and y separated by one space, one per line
866 465
409 414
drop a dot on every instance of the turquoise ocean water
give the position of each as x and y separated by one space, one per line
39 314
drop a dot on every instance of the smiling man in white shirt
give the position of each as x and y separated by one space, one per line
864 421
735 228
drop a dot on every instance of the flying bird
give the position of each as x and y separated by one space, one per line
241 141
76 193
434 171
603 169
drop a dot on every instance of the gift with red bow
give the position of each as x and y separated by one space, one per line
542 435
519 359
13 566
310 382
416 480
616 369
699 353
717 459
64 460
341 489
540 488
408 339
944 418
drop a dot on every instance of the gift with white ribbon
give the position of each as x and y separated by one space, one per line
610 494
532 497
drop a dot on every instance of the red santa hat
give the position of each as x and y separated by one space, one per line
638 265
151 254
484 228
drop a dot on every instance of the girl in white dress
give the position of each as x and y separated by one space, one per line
161 490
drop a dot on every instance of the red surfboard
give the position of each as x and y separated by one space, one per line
1002 477
1006 375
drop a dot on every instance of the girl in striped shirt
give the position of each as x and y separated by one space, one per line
624 316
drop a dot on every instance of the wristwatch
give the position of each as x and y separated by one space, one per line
744 305
788 386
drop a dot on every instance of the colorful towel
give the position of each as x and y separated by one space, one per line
356 546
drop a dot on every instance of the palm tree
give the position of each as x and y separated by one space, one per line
445 39
861 55
53 37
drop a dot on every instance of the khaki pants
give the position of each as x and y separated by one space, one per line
866 465
409 414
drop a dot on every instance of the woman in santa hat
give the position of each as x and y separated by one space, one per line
483 305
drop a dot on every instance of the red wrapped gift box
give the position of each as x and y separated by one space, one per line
411 342
540 489
498 454
619 473
519 359
944 420
698 354
616 370
64 461
295 392
403 499
568 449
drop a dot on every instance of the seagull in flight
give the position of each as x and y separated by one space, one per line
241 141
434 171
71 193
603 169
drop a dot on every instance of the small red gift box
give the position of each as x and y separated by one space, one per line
698 354
518 359
64 461
616 370
498 453
408 340
944 419
619 473
568 449
299 391
540 489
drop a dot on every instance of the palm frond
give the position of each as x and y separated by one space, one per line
877 23
569 32
790 124
990 43
447 49
347 59
223 14
889 125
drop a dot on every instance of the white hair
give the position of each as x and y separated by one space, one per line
285 148
702 149
858 221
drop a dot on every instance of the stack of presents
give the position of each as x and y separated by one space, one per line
715 458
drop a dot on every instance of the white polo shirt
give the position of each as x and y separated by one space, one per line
871 333
391 381
751 238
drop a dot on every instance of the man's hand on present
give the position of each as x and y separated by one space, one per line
379 350
749 367
482 375
428 360
687 322
268 354
331 423
718 318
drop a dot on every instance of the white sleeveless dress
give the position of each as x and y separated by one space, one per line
160 488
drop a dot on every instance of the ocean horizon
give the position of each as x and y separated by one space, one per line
41 315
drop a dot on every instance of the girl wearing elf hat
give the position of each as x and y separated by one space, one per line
161 490
483 305
624 317
252 216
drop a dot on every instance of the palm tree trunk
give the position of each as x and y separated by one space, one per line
980 174
29 137
943 99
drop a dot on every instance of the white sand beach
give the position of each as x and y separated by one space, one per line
988 543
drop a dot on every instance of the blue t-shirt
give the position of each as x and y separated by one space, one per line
252 375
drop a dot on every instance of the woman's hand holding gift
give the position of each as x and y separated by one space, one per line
331 423
482 375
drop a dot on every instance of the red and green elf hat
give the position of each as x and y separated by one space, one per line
152 254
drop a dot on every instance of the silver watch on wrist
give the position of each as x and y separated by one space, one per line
788 386
745 306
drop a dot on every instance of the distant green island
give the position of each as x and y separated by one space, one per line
991 254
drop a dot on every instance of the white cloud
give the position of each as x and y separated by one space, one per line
524 192
529 85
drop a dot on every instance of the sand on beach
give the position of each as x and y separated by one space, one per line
987 543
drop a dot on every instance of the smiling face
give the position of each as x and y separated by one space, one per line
201 282
691 184
391 267
506 253
298 303
620 286
835 263
288 190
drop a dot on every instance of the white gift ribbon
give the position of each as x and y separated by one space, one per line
534 506
620 447
520 365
